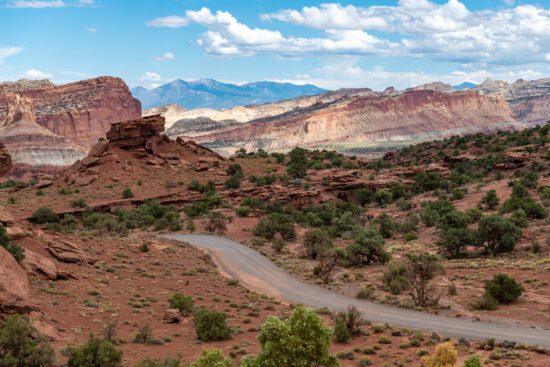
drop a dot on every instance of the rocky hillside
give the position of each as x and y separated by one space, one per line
82 111
208 93
367 123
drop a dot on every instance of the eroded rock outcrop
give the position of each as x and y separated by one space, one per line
14 285
82 111
5 160
32 147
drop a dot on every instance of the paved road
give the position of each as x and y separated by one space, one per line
258 273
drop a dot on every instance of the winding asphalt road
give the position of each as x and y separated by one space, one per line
259 274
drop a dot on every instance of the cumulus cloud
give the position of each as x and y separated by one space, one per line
6 52
91 29
413 28
167 56
36 74
150 76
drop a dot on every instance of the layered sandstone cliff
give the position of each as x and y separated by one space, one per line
529 100
361 123
82 111
33 148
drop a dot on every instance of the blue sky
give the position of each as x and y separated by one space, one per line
369 43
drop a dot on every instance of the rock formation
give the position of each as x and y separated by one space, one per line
5 161
529 100
14 285
136 133
33 148
361 124
82 111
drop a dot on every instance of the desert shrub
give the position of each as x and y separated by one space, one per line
297 163
216 223
19 347
503 288
473 361
457 194
243 211
491 200
278 245
454 234
497 234
474 214
182 302
317 241
44 215
383 197
521 199
395 279
104 224
14 249
519 218
529 180
485 303
386 225
301 340
253 203
427 181
341 333
367 247
233 182
404 205
145 336
127 193
410 224
273 224
352 320
445 355
234 169
212 358
210 325
364 196
432 211
78 203
419 270
95 352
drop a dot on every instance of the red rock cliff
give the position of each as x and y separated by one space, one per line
82 111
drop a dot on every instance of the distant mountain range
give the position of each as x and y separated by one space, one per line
208 93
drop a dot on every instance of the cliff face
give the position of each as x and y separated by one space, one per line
529 100
82 111
361 123
33 148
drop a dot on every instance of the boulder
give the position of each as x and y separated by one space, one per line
68 252
37 263
14 285
16 233
172 316
436 336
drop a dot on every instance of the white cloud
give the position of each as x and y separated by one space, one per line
90 29
36 74
6 52
150 76
346 73
41 4
167 56
173 21
412 28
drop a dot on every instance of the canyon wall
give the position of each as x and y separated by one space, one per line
359 123
82 111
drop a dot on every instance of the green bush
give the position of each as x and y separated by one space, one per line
364 196
474 214
367 247
234 169
341 332
301 340
273 224
167 362
19 347
394 278
317 241
182 302
519 218
473 361
78 203
427 181
383 198
491 200
145 336
127 193
503 288
44 215
497 234
243 211
386 225
233 182
95 352
297 163
212 358
210 325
